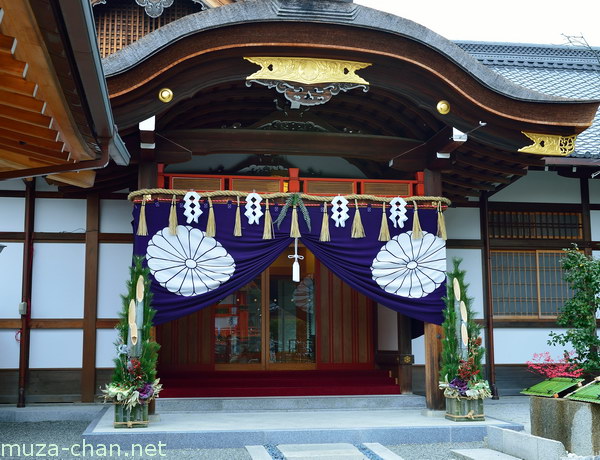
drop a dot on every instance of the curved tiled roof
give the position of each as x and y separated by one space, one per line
560 70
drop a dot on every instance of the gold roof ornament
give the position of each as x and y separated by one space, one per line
549 144
307 81
307 70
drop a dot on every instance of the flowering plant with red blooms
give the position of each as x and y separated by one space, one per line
544 365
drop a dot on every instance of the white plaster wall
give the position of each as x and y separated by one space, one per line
595 222
541 187
113 273
56 348
463 223
517 345
105 347
594 190
387 328
115 216
471 263
12 214
418 349
9 358
11 268
59 215
58 280
12 184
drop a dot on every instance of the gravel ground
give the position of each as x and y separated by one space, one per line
439 451
65 434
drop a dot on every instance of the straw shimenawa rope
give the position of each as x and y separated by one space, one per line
306 197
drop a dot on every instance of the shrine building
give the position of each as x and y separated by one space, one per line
297 176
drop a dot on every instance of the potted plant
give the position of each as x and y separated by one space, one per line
463 385
134 384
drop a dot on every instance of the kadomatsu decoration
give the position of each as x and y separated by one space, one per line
134 384
463 385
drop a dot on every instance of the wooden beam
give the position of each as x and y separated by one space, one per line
433 351
20 101
467 159
467 185
40 154
20 22
82 179
209 141
26 288
88 374
26 116
478 175
449 189
17 85
10 66
433 332
405 369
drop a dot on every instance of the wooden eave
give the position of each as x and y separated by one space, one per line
397 119
45 123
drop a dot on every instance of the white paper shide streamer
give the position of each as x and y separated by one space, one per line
398 212
191 207
339 211
253 210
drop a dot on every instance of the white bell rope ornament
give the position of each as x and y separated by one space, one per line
191 207
296 264
253 209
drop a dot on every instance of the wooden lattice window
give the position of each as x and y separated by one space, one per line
535 225
528 284
122 22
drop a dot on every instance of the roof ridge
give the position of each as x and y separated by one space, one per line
532 55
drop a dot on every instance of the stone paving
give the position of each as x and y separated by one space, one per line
65 434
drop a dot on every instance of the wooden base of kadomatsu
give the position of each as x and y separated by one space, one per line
464 410
136 417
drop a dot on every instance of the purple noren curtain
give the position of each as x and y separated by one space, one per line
191 271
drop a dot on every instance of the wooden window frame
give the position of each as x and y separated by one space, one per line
538 293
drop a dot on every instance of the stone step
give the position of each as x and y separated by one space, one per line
218 429
481 454
332 451
286 403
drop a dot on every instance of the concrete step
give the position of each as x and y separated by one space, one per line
220 429
287 403
333 451
481 454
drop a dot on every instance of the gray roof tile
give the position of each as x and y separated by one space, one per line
564 71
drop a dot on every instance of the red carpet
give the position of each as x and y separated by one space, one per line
276 383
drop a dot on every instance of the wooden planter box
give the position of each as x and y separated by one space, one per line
137 417
464 410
